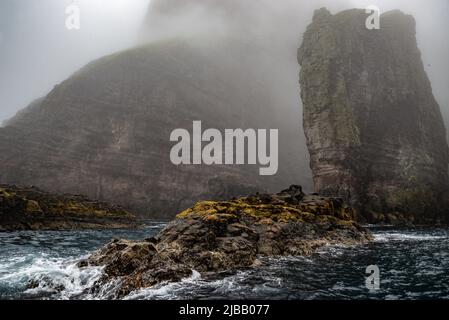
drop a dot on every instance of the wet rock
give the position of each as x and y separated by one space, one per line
292 195
212 237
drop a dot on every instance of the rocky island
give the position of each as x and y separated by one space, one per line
211 237
29 208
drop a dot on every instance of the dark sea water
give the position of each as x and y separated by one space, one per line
413 263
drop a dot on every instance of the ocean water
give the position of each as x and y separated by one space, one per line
413 264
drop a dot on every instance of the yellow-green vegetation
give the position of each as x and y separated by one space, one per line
33 207
312 209
4 194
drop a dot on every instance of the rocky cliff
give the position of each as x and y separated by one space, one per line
105 131
374 130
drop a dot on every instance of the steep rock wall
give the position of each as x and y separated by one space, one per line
374 130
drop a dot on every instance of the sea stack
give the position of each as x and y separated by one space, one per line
374 130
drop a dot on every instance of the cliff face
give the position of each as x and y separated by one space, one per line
374 130
105 131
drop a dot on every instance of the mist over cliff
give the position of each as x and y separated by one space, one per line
37 52
280 25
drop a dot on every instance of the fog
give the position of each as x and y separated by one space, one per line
37 51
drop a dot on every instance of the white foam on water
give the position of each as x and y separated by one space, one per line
67 281
396 236
334 250
51 277
217 288
164 291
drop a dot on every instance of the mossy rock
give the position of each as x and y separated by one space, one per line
33 207
268 209
29 208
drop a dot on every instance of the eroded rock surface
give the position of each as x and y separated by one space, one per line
374 130
219 236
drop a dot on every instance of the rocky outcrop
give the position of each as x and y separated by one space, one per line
374 130
28 208
217 236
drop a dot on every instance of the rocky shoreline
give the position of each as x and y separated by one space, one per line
212 237
29 208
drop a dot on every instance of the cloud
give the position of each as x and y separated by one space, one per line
37 51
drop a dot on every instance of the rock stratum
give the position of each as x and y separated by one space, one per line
211 237
28 208
374 130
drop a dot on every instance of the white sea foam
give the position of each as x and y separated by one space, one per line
396 236
66 280
58 278
164 291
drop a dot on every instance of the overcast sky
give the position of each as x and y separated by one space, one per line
37 51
